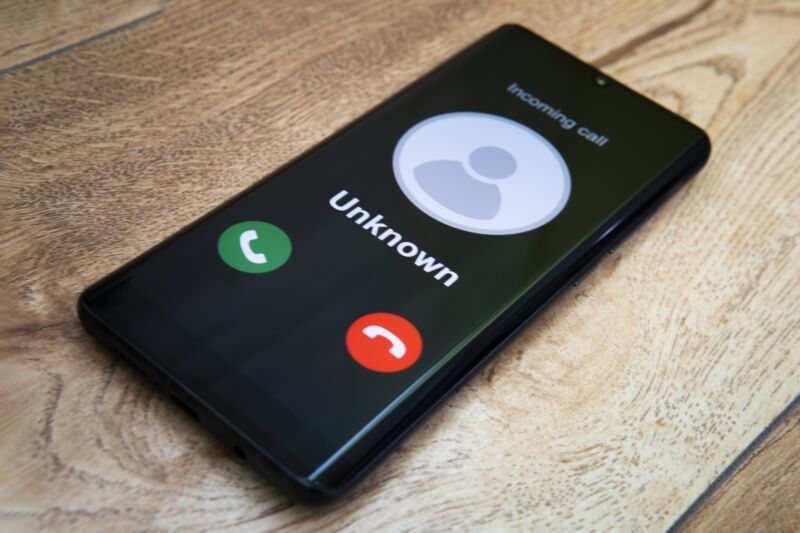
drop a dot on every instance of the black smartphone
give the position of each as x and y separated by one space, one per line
313 320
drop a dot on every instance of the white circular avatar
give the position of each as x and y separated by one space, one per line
481 173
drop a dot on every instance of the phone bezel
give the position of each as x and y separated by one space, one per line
485 346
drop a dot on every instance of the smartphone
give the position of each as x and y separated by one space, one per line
316 318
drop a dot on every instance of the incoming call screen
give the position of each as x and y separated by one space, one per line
310 308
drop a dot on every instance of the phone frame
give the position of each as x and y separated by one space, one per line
486 345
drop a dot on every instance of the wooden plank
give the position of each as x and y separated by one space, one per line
760 493
30 31
616 409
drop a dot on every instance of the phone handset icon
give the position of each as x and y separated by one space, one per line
236 247
404 350
398 348
244 242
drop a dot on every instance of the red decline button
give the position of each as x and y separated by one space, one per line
384 342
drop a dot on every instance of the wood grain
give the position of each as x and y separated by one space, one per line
35 30
615 410
761 491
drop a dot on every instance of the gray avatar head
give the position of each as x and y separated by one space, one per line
492 162
448 182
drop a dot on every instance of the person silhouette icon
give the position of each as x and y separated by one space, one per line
481 173
449 183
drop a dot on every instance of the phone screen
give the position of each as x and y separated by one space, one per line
310 310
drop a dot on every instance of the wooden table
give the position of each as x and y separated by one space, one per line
661 389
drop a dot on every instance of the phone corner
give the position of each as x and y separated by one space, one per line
705 146
700 151
314 495
513 27
306 491
82 307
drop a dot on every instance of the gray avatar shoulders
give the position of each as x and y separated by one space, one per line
449 184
